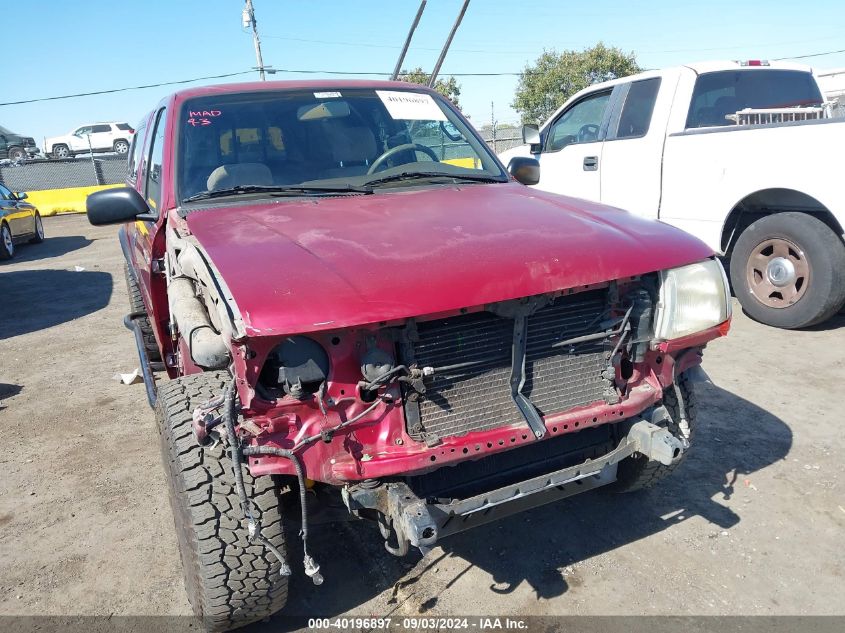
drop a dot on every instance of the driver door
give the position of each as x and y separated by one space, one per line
79 139
572 147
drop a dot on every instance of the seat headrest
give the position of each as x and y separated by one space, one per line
226 176
352 144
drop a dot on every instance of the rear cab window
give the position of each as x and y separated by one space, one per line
719 94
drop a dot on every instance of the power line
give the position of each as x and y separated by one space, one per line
343 73
112 90
778 59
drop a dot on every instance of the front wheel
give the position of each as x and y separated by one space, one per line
38 234
16 154
61 151
7 244
230 581
638 472
788 270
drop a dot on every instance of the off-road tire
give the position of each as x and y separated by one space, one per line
136 305
39 230
638 472
230 582
16 153
7 244
823 249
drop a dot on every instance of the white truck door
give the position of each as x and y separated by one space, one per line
632 154
79 139
101 136
572 147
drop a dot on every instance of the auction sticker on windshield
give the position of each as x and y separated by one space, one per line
411 106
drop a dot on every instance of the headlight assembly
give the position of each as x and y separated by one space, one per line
692 298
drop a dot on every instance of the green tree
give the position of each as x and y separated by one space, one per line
449 88
554 77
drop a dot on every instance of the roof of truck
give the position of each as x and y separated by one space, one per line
717 65
314 84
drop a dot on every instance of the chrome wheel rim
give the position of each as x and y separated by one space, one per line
7 240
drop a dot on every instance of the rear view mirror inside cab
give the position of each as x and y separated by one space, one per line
325 110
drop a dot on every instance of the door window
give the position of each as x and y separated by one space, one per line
579 124
638 108
99 129
154 171
135 152
5 194
83 130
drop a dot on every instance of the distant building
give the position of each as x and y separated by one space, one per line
832 84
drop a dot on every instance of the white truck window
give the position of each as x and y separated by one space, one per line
719 94
639 105
580 123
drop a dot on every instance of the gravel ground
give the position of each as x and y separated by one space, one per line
751 524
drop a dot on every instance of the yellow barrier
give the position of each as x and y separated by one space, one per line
55 201
470 163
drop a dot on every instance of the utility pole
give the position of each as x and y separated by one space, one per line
249 20
446 46
407 42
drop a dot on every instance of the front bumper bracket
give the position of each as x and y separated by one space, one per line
422 522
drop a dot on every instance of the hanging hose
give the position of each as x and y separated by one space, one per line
312 569
253 526
683 424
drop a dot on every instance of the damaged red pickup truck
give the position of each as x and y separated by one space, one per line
354 300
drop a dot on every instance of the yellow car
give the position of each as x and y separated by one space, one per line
19 222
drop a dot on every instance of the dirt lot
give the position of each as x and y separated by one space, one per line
751 524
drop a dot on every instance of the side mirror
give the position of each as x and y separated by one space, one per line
525 170
530 134
21 195
117 206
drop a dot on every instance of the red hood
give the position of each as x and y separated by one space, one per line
305 265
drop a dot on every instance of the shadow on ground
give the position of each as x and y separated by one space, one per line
50 247
7 391
33 300
734 438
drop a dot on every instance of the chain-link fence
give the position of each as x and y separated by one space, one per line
503 140
458 150
40 175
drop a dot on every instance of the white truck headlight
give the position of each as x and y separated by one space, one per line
692 298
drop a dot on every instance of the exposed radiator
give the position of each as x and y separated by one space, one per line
472 356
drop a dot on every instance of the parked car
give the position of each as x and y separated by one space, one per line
16 147
103 137
428 343
19 222
665 144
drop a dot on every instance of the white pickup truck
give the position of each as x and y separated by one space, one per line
671 145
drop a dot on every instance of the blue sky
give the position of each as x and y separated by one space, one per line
87 45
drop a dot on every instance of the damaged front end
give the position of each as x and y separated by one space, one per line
432 425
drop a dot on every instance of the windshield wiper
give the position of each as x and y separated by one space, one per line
276 191
425 175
